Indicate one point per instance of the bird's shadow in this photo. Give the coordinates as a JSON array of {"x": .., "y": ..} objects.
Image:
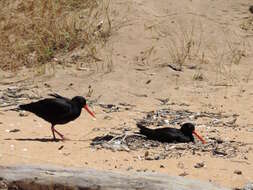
[
  {"x": 43, "y": 139},
  {"x": 36, "y": 139}
]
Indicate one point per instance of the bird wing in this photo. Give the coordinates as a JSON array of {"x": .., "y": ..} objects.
[
  {"x": 58, "y": 96},
  {"x": 172, "y": 135},
  {"x": 50, "y": 109}
]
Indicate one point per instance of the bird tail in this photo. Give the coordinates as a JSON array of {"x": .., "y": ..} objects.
[
  {"x": 17, "y": 109},
  {"x": 26, "y": 107},
  {"x": 55, "y": 95},
  {"x": 144, "y": 130}
]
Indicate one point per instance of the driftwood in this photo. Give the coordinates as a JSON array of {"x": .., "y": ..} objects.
[{"x": 51, "y": 178}]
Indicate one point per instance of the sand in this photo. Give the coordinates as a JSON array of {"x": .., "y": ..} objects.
[{"x": 211, "y": 80}]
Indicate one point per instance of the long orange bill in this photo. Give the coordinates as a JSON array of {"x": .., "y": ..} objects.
[
  {"x": 200, "y": 138},
  {"x": 88, "y": 110}
]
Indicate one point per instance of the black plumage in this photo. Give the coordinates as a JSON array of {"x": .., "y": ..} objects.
[
  {"x": 57, "y": 110},
  {"x": 167, "y": 134}
]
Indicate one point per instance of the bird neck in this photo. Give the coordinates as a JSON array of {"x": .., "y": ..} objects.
[{"x": 192, "y": 138}]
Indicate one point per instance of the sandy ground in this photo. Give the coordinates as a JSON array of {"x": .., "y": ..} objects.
[{"x": 140, "y": 27}]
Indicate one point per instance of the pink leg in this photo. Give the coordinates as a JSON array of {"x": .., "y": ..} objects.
[
  {"x": 52, "y": 128},
  {"x": 61, "y": 135}
]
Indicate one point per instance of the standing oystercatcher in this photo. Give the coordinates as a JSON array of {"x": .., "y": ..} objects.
[
  {"x": 167, "y": 134},
  {"x": 58, "y": 110}
]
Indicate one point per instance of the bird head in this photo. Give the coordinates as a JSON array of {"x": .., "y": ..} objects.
[
  {"x": 82, "y": 102},
  {"x": 189, "y": 129}
]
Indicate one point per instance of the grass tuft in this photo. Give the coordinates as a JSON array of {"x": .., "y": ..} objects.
[{"x": 33, "y": 32}]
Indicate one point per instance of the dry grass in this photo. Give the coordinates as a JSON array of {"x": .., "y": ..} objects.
[
  {"x": 247, "y": 24},
  {"x": 33, "y": 32},
  {"x": 185, "y": 44},
  {"x": 227, "y": 58},
  {"x": 189, "y": 43}
]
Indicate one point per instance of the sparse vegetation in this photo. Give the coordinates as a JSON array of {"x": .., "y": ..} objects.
[
  {"x": 185, "y": 44},
  {"x": 229, "y": 56},
  {"x": 189, "y": 44},
  {"x": 33, "y": 32},
  {"x": 198, "y": 76},
  {"x": 247, "y": 24}
]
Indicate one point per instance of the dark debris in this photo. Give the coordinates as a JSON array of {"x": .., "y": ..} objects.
[
  {"x": 215, "y": 146},
  {"x": 176, "y": 117},
  {"x": 12, "y": 96},
  {"x": 158, "y": 150},
  {"x": 109, "y": 108}
]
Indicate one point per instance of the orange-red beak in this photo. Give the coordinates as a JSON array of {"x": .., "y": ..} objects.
[
  {"x": 200, "y": 138},
  {"x": 88, "y": 110}
]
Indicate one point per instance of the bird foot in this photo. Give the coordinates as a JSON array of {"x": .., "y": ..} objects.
[
  {"x": 55, "y": 139},
  {"x": 61, "y": 135},
  {"x": 61, "y": 139}
]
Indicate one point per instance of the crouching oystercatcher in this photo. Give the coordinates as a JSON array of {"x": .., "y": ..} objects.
[{"x": 167, "y": 134}]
